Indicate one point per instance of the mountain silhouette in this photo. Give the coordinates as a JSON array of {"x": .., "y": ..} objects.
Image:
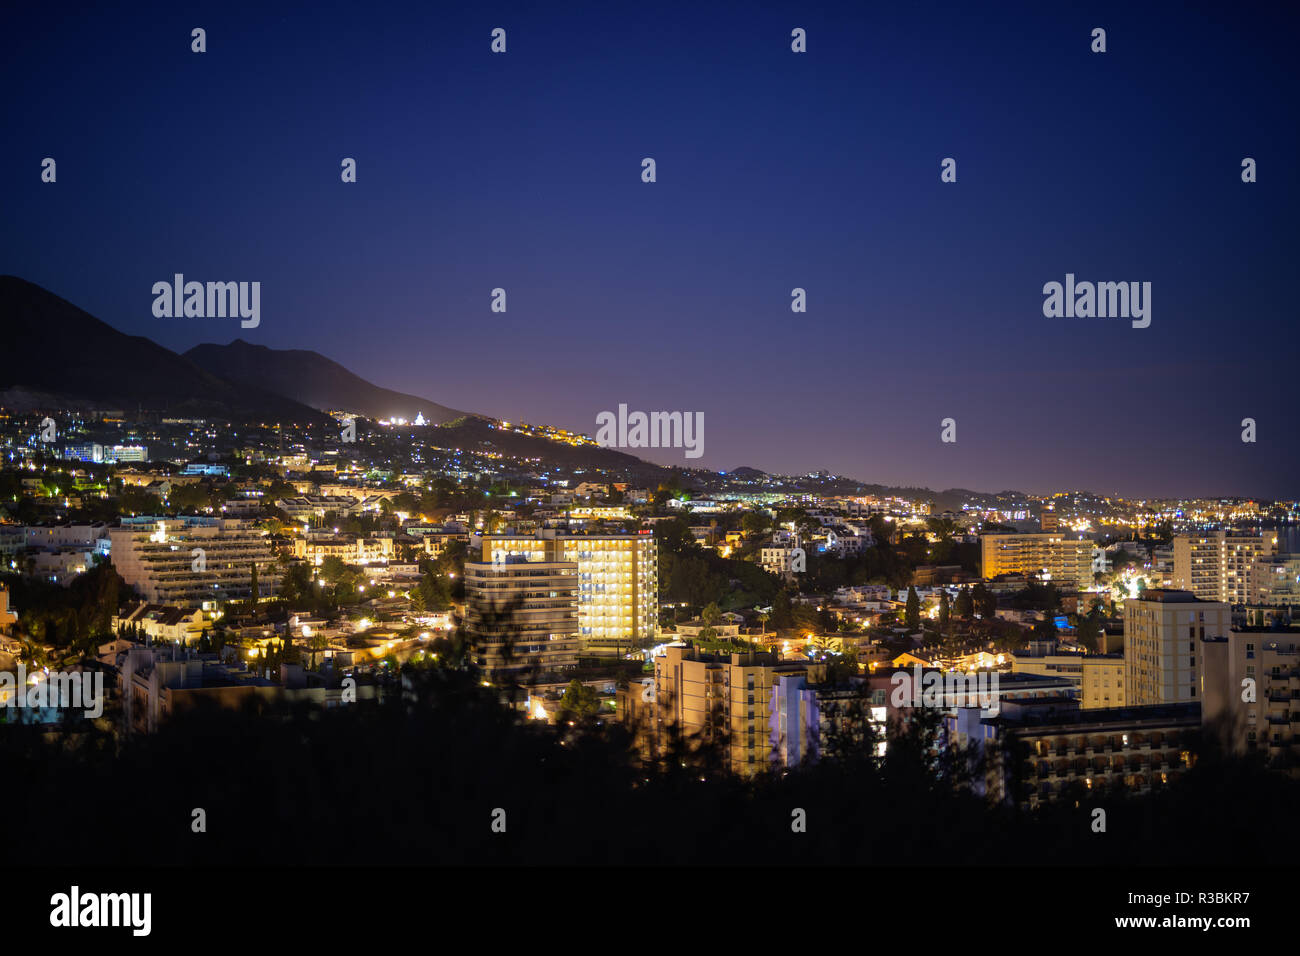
[
  {"x": 312, "y": 379},
  {"x": 60, "y": 355}
]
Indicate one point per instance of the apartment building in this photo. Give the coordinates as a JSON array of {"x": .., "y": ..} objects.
[
  {"x": 1049, "y": 659},
  {"x": 116, "y": 453},
  {"x": 777, "y": 558},
  {"x": 1047, "y": 749},
  {"x": 720, "y": 699},
  {"x": 1251, "y": 695},
  {"x": 1052, "y": 556},
  {"x": 167, "y": 625},
  {"x": 522, "y": 616},
  {"x": 949, "y": 690},
  {"x": 618, "y": 582},
  {"x": 94, "y": 452},
  {"x": 13, "y": 539},
  {"x": 88, "y": 451},
  {"x": 1275, "y": 581},
  {"x": 600, "y": 513},
  {"x": 158, "y": 683},
  {"x": 435, "y": 539},
  {"x": 1217, "y": 565},
  {"x": 1103, "y": 681},
  {"x": 1162, "y": 631},
  {"x": 1099, "y": 678},
  {"x": 186, "y": 564},
  {"x": 1162, "y": 564},
  {"x": 53, "y": 537},
  {"x": 306, "y": 507},
  {"x": 809, "y": 719},
  {"x": 351, "y": 549}
]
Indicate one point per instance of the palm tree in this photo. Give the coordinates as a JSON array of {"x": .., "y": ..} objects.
[
  {"x": 315, "y": 644},
  {"x": 31, "y": 653}
]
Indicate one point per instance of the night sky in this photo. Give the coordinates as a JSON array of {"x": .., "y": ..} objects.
[{"x": 775, "y": 170}]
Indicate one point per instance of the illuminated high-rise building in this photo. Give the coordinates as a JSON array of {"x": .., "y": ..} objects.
[
  {"x": 724, "y": 699},
  {"x": 195, "y": 562},
  {"x": 522, "y": 615},
  {"x": 1217, "y": 565},
  {"x": 1163, "y": 632},
  {"x": 1050, "y": 520},
  {"x": 1052, "y": 556},
  {"x": 618, "y": 582}
]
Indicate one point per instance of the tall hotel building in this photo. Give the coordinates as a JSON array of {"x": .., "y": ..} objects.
[
  {"x": 1216, "y": 566},
  {"x": 618, "y": 582},
  {"x": 523, "y": 615},
  {"x": 1163, "y": 636},
  {"x": 163, "y": 561},
  {"x": 1064, "y": 559}
]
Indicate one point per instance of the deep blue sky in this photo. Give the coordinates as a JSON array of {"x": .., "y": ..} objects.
[{"x": 775, "y": 170}]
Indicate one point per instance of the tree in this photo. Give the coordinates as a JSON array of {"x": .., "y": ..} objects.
[
  {"x": 435, "y": 590},
  {"x": 912, "y": 616},
  {"x": 782, "y": 611},
  {"x": 965, "y": 608},
  {"x": 332, "y": 568},
  {"x": 943, "y": 528},
  {"x": 579, "y": 702},
  {"x": 406, "y": 503},
  {"x": 189, "y": 498},
  {"x": 295, "y": 585},
  {"x": 1090, "y": 629},
  {"x": 709, "y": 616},
  {"x": 943, "y": 609},
  {"x": 316, "y": 643}
]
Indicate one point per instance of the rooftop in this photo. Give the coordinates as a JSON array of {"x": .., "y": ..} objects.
[{"x": 1169, "y": 596}]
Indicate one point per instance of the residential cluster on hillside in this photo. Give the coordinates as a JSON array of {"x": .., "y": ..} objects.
[{"x": 1065, "y": 641}]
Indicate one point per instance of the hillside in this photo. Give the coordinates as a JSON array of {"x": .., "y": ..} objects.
[
  {"x": 57, "y": 353},
  {"x": 312, "y": 379}
]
